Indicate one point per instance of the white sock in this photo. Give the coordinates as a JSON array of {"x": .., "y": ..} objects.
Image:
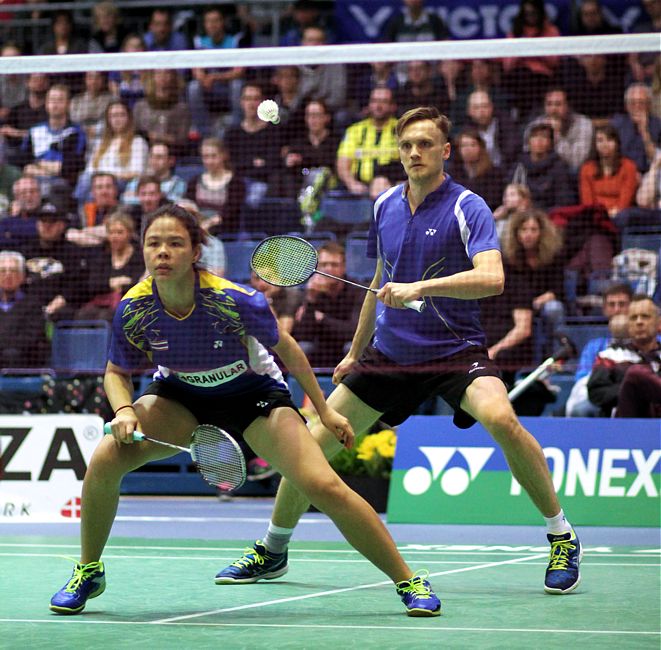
[
  {"x": 557, "y": 525},
  {"x": 277, "y": 538}
]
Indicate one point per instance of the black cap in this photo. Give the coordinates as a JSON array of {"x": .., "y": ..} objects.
[{"x": 49, "y": 212}]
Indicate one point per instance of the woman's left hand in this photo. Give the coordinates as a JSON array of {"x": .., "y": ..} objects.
[{"x": 339, "y": 426}]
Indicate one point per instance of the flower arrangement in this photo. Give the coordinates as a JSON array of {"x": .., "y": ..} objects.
[{"x": 371, "y": 455}]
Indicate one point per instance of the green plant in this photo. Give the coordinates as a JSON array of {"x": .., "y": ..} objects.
[{"x": 371, "y": 455}]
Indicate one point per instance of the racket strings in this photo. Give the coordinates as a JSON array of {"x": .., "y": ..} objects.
[
  {"x": 218, "y": 458},
  {"x": 284, "y": 261}
]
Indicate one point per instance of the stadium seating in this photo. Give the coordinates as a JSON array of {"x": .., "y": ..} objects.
[
  {"x": 80, "y": 346},
  {"x": 359, "y": 266},
  {"x": 237, "y": 255},
  {"x": 272, "y": 216},
  {"x": 347, "y": 209}
]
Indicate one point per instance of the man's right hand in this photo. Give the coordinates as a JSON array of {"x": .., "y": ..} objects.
[{"x": 344, "y": 368}]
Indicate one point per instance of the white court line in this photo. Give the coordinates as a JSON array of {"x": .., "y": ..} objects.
[
  {"x": 340, "y": 591},
  {"x": 407, "y": 629},
  {"x": 189, "y": 558}
]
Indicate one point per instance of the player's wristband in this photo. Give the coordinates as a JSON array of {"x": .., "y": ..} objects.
[{"x": 126, "y": 406}]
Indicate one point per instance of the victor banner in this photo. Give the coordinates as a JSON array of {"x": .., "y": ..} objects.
[
  {"x": 606, "y": 473},
  {"x": 43, "y": 459}
]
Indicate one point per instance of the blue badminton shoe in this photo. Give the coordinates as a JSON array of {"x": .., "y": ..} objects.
[
  {"x": 563, "y": 574},
  {"x": 255, "y": 564},
  {"x": 87, "y": 581},
  {"x": 417, "y": 595}
]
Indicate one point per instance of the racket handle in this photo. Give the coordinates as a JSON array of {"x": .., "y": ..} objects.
[
  {"x": 416, "y": 305},
  {"x": 137, "y": 435}
]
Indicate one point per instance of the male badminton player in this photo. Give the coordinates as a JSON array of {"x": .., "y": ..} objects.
[
  {"x": 208, "y": 337},
  {"x": 436, "y": 240}
]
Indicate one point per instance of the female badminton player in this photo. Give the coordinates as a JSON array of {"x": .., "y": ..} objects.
[{"x": 209, "y": 339}]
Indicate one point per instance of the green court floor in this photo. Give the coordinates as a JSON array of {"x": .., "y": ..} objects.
[{"x": 161, "y": 595}]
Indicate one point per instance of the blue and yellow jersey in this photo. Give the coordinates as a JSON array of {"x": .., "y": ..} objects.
[{"x": 218, "y": 348}]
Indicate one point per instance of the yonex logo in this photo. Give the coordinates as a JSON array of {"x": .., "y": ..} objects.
[
  {"x": 262, "y": 405},
  {"x": 453, "y": 481},
  {"x": 430, "y": 231},
  {"x": 217, "y": 344}
]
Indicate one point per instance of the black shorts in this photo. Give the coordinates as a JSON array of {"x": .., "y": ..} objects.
[
  {"x": 397, "y": 391},
  {"x": 234, "y": 413}
]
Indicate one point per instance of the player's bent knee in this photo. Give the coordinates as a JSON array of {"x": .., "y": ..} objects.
[{"x": 500, "y": 420}]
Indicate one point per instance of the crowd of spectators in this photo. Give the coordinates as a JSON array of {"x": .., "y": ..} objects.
[{"x": 565, "y": 150}]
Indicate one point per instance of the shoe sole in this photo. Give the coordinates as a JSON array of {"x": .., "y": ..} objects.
[
  {"x": 247, "y": 581},
  {"x": 423, "y": 613},
  {"x": 67, "y": 610},
  {"x": 560, "y": 592}
]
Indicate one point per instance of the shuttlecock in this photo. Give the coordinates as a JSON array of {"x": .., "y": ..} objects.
[{"x": 268, "y": 111}]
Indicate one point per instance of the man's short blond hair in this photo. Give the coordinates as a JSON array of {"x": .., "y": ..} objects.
[{"x": 421, "y": 113}]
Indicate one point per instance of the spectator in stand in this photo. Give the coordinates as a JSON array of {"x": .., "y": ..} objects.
[
  {"x": 150, "y": 197},
  {"x": 499, "y": 133},
  {"x": 104, "y": 194},
  {"x": 9, "y": 174},
  {"x": 572, "y": 132},
  {"x": 626, "y": 381},
  {"x": 326, "y": 320},
  {"x": 595, "y": 83},
  {"x": 314, "y": 149},
  {"x": 648, "y": 200},
  {"x": 160, "y": 164},
  {"x": 327, "y": 82},
  {"x": 453, "y": 74},
  {"x": 532, "y": 251},
  {"x": 121, "y": 151},
  {"x": 284, "y": 301},
  {"x": 482, "y": 75},
  {"x": 590, "y": 20},
  {"x": 89, "y": 107},
  {"x": 414, "y": 23},
  {"x": 211, "y": 92},
  {"x": 129, "y": 85},
  {"x": 58, "y": 269},
  {"x": 55, "y": 149},
  {"x": 472, "y": 168},
  {"x": 162, "y": 115},
  {"x": 65, "y": 41},
  {"x": 20, "y": 226},
  {"x": 113, "y": 268},
  {"x": 516, "y": 198},
  {"x": 544, "y": 172},
  {"x": 368, "y": 157},
  {"x": 528, "y": 78},
  {"x": 22, "y": 324},
  {"x": 253, "y": 145},
  {"x": 107, "y": 31},
  {"x": 421, "y": 88},
  {"x": 608, "y": 178},
  {"x": 288, "y": 97},
  {"x": 639, "y": 130},
  {"x": 24, "y": 116},
  {"x": 304, "y": 13},
  {"x": 363, "y": 78},
  {"x": 615, "y": 306},
  {"x": 13, "y": 87},
  {"x": 160, "y": 36},
  {"x": 650, "y": 19},
  {"x": 218, "y": 192}
]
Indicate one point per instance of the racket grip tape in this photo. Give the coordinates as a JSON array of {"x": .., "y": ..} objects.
[
  {"x": 416, "y": 305},
  {"x": 137, "y": 435}
]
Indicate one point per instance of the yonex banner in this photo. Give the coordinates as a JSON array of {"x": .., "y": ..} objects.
[
  {"x": 606, "y": 472},
  {"x": 43, "y": 459}
]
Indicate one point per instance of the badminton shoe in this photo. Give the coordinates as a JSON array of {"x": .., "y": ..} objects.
[
  {"x": 563, "y": 574},
  {"x": 256, "y": 564},
  {"x": 87, "y": 581},
  {"x": 418, "y": 596}
]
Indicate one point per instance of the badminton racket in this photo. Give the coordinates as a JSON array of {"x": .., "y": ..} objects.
[
  {"x": 217, "y": 455},
  {"x": 287, "y": 261}
]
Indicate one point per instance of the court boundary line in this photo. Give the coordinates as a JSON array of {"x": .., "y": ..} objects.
[
  {"x": 403, "y": 628},
  {"x": 341, "y": 590}
]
